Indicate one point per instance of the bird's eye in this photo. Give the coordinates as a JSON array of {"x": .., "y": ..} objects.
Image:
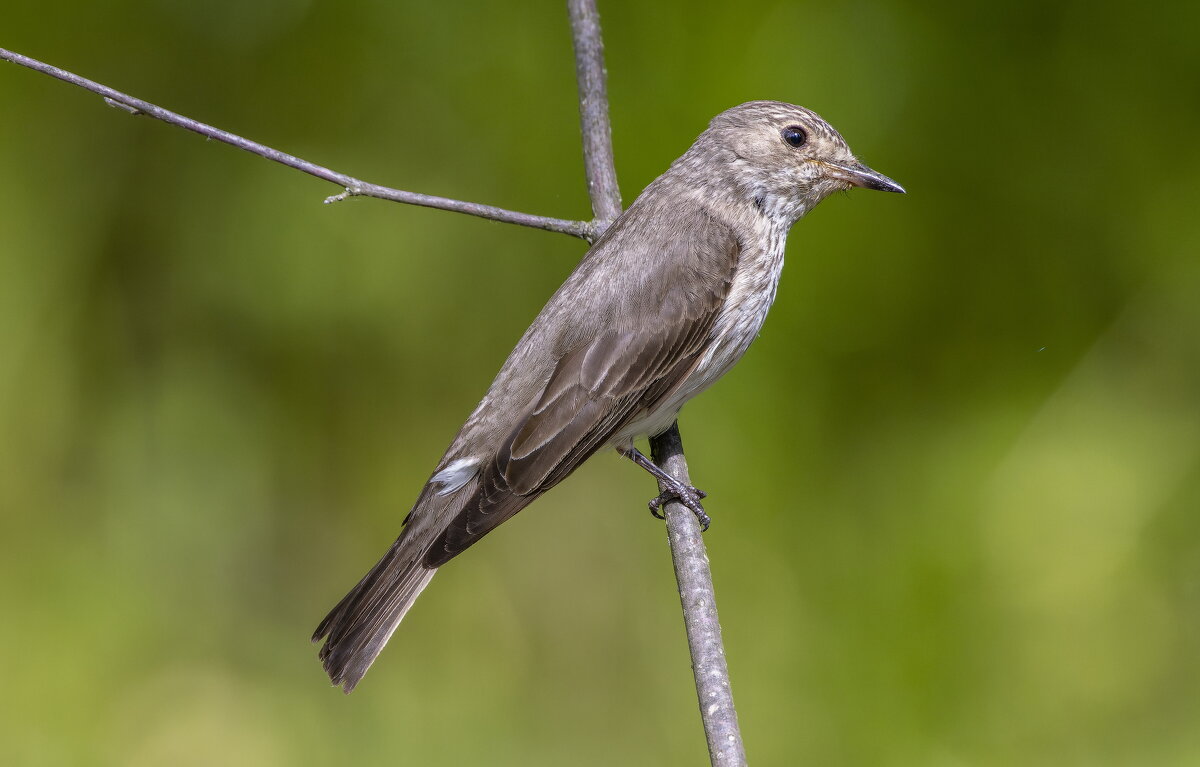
[{"x": 795, "y": 135}]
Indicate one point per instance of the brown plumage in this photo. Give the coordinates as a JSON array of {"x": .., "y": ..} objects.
[{"x": 659, "y": 308}]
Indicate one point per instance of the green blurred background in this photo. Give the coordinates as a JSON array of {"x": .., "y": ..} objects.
[{"x": 955, "y": 483}]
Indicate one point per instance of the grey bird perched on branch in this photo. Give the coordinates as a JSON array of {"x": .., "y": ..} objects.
[{"x": 664, "y": 304}]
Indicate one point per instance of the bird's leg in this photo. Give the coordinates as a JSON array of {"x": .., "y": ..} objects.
[{"x": 674, "y": 490}]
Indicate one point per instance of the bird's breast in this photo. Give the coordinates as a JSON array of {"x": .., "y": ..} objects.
[
  {"x": 738, "y": 323},
  {"x": 751, "y": 294}
]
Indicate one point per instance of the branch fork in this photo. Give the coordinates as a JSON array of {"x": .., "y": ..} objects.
[{"x": 346, "y": 194}]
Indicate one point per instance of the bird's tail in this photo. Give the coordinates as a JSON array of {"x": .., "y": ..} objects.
[{"x": 356, "y": 630}]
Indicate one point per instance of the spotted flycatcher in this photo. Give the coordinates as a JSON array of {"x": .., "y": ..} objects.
[{"x": 664, "y": 304}]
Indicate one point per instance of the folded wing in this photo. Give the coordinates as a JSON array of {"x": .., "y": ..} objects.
[{"x": 597, "y": 388}]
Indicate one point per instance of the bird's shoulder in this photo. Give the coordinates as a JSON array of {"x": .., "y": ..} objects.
[
  {"x": 668, "y": 235},
  {"x": 653, "y": 281},
  {"x": 659, "y": 259}
]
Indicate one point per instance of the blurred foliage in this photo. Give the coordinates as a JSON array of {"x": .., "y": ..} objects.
[{"x": 955, "y": 483}]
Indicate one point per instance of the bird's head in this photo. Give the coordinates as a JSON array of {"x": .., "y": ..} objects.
[{"x": 783, "y": 157}]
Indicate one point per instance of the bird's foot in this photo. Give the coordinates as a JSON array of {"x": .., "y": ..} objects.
[
  {"x": 687, "y": 495},
  {"x": 673, "y": 489}
]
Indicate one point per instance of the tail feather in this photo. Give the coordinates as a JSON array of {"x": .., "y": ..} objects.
[
  {"x": 356, "y": 630},
  {"x": 358, "y": 627}
]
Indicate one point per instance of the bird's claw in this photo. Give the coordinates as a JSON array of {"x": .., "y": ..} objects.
[{"x": 687, "y": 495}]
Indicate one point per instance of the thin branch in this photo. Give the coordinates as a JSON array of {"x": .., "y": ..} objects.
[
  {"x": 698, "y": 599},
  {"x": 593, "y": 112},
  {"x": 687, "y": 546},
  {"x": 354, "y": 187},
  {"x": 696, "y": 593}
]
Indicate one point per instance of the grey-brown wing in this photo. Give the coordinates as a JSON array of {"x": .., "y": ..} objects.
[{"x": 597, "y": 388}]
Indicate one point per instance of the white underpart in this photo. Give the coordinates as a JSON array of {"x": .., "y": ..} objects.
[
  {"x": 454, "y": 476},
  {"x": 736, "y": 326}
]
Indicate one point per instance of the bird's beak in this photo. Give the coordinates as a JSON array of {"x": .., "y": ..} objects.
[{"x": 857, "y": 174}]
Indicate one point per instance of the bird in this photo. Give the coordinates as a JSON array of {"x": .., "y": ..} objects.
[{"x": 662, "y": 305}]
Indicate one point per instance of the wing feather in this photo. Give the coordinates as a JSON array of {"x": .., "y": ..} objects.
[{"x": 597, "y": 387}]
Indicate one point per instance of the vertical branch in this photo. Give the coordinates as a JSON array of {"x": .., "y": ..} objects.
[
  {"x": 688, "y": 554},
  {"x": 699, "y": 603},
  {"x": 593, "y": 113}
]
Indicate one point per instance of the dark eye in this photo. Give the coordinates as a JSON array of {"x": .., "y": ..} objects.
[{"x": 795, "y": 135}]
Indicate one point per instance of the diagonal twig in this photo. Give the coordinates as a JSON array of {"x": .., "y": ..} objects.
[
  {"x": 353, "y": 187},
  {"x": 696, "y": 594}
]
